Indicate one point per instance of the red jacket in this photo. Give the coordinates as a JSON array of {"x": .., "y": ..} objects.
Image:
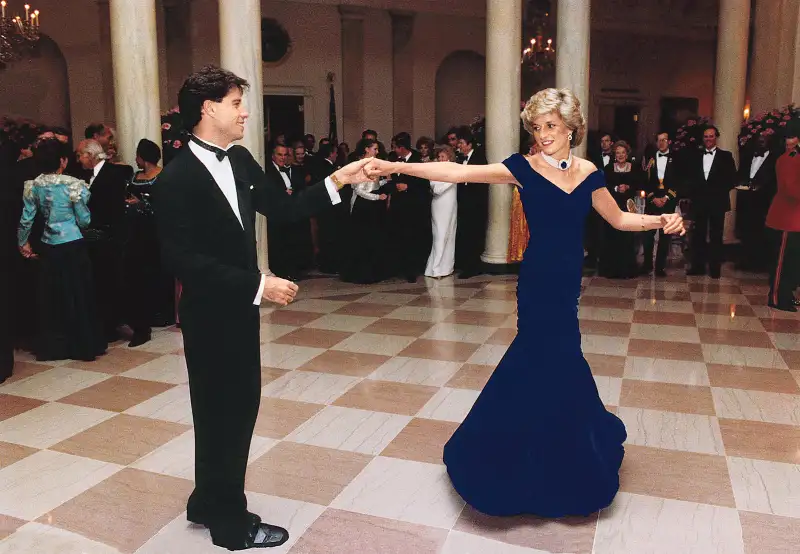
[{"x": 784, "y": 213}]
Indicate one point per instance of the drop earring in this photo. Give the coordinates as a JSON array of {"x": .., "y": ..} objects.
[{"x": 570, "y": 137}]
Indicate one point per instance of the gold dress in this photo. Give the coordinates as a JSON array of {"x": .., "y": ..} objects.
[{"x": 519, "y": 235}]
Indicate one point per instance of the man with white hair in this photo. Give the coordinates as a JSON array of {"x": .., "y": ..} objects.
[{"x": 108, "y": 184}]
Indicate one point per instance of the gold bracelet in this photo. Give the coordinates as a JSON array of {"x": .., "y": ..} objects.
[
  {"x": 336, "y": 181},
  {"x": 642, "y": 222}
]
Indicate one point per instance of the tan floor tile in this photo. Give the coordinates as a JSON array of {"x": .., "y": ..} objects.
[
  {"x": 752, "y": 378},
  {"x": 316, "y": 338},
  {"x": 448, "y": 351},
  {"x": 678, "y": 475},
  {"x": 775, "y": 325},
  {"x": 466, "y": 317},
  {"x": 614, "y": 283},
  {"x": 270, "y": 374},
  {"x": 437, "y": 302},
  {"x": 715, "y": 308},
  {"x": 606, "y": 365},
  {"x": 277, "y": 418},
  {"x": 494, "y": 294},
  {"x": 293, "y": 318},
  {"x": 667, "y": 397},
  {"x": 117, "y": 394},
  {"x": 661, "y": 295},
  {"x": 664, "y": 318},
  {"x": 11, "y": 406},
  {"x": 607, "y": 328},
  {"x": 117, "y": 360},
  {"x": 608, "y": 302},
  {"x": 303, "y": 472},
  {"x": 571, "y": 534},
  {"x": 422, "y": 440},
  {"x": 792, "y": 358},
  {"x": 758, "y": 440},
  {"x": 754, "y": 339},
  {"x": 385, "y": 396},
  {"x": 665, "y": 350},
  {"x": 715, "y": 288},
  {"x": 122, "y": 439},
  {"x": 125, "y": 510},
  {"x": 12, "y": 453},
  {"x": 366, "y": 309},
  {"x": 503, "y": 336},
  {"x": 348, "y": 297},
  {"x": 471, "y": 376},
  {"x": 769, "y": 534},
  {"x": 399, "y": 327},
  {"x": 341, "y": 532},
  {"x": 8, "y": 525},
  {"x": 356, "y": 364},
  {"x": 23, "y": 370}
]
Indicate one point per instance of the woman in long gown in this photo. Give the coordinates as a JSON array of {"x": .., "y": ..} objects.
[
  {"x": 538, "y": 439},
  {"x": 444, "y": 211}
]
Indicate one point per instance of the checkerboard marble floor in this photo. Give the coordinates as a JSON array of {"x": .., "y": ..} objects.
[{"x": 362, "y": 387}]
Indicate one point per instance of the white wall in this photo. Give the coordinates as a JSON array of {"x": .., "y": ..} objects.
[{"x": 460, "y": 90}]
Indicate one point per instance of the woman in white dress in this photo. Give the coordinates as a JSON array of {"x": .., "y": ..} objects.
[{"x": 443, "y": 219}]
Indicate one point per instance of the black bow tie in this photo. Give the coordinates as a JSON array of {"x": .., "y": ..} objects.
[
  {"x": 286, "y": 170},
  {"x": 661, "y": 155},
  {"x": 218, "y": 152},
  {"x": 709, "y": 152}
]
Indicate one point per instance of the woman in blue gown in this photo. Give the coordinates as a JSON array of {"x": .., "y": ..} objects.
[{"x": 538, "y": 439}]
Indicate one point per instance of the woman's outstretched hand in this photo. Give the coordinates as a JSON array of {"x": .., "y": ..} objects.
[
  {"x": 673, "y": 224},
  {"x": 377, "y": 168}
]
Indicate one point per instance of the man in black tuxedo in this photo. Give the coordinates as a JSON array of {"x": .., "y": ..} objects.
[
  {"x": 594, "y": 223},
  {"x": 662, "y": 192},
  {"x": 757, "y": 185},
  {"x": 473, "y": 211},
  {"x": 711, "y": 174},
  {"x": 331, "y": 224},
  {"x": 409, "y": 214},
  {"x": 106, "y": 236},
  {"x": 205, "y": 203}
]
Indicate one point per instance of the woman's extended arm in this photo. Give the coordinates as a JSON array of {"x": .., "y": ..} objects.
[
  {"x": 606, "y": 206},
  {"x": 494, "y": 174}
]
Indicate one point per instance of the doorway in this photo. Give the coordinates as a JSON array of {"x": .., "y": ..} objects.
[
  {"x": 626, "y": 124},
  {"x": 284, "y": 115}
]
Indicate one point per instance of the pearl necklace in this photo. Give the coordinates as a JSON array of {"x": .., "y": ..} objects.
[{"x": 563, "y": 165}]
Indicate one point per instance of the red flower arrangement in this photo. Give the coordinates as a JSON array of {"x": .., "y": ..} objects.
[
  {"x": 767, "y": 123},
  {"x": 173, "y": 136},
  {"x": 690, "y": 134}
]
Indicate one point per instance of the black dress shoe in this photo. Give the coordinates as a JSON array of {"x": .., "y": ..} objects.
[
  {"x": 795, "y": 302},
  {"x": 787, "y": 308},
  {"x": 139, "y": 339},
  {"x": 260, "y": 535}
]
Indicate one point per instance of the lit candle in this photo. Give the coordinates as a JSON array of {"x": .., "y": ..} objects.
[
  {"x": 3, "y": 4},
  {"x": 38, "y": 20},
  {"x": 27, "y": 10}
]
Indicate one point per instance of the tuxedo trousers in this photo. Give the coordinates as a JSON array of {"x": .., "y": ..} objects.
[
  {"x": 785, "y": 271},
  {"x": 709, "y": 222},
  {"x": 222, "y": 347}
]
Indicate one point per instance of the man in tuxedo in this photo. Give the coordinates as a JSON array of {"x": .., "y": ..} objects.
[
  {"x": 757, "y": 185},
  {"x": 289, "y": 243},
  {"x": 106, "y": 236},
  {"x": 473, "y": 211},
  {"x": 711, "y": 174},
  {"x": 594, "y": 223},
  {"x": 409, "y": 214},
  {"x": 205, "y": 203},
  {"x": 662, "y": 186},
  {"x": 331, "y": 223}
]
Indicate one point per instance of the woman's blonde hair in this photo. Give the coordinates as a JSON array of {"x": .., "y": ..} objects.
[
  {"x": 561, "y": 101},
  {"x": 448, "y": 151},
  {"x": 624, "y": 145}
]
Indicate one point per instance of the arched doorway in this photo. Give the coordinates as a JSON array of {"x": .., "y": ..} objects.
[
  {"x": 460, "y": 90},
  {"x": 37, "y": 87}
]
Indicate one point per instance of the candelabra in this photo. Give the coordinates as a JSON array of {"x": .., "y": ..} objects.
[
  {"x": 18, "y": 36},
  {"x": 539, "y": 54}
]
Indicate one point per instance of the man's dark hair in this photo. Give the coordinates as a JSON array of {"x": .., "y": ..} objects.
[
  {"x": 607, "y": 134},
  {"x": 325, "y": 150},
  {"x": 452, "y": 131},
  {"x": 664, "y": 132},
  {"x": 402, "y": 140},
  {"x": 463, "y": 133},
  {"x": 716, "y": 131},
  {"x": 368, "y": 132},
  {"x": 93, "y": 129},
  {"x": 274, "y": 145},
  {"x": 47, "y": 155},
  {"x": 309, "y": 136},
  {"x": 148, "y": 151},
  {"x": 210, "y": 83},
  {"x": 63, "y": 131}
]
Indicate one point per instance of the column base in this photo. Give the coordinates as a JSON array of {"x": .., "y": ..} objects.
[{"x": 504, "y": 268}]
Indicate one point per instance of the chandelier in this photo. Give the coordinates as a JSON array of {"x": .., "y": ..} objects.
[
  {"x": 539, "y": 54},
  {"x": 18, "y": 36}
]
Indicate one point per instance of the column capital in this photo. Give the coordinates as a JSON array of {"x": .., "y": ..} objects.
[
  {"x": 402, "y": 28},
  {"x": 352, "y": 13}
]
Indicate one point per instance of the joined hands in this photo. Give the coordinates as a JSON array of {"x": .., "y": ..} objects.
[{"x": 673, "y": 224}]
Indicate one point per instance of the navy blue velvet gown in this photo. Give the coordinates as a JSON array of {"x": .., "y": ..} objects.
[{"x": 538, "y": 439}]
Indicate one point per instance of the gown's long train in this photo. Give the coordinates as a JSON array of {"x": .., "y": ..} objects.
[{"x": 538, "y": 439}]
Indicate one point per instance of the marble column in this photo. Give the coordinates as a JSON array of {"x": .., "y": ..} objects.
[
  {"x": 773, "y": 74},
  {"x": 402, "y": 71},
  {"x": 730, "y": 84},
  {"x": 106, "y": 64},
  {"x": 572, "y": 53},
  {"x": 352, "y": 19},
  {"x": 135, "y": 62},
  {"x": 240, "y": 52},
  {"x": 503, "y": 81}
]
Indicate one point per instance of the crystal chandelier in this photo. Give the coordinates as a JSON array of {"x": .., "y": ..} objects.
[
  {"x": 18, "y": 35},
  {"x": 539, "y": 53}
]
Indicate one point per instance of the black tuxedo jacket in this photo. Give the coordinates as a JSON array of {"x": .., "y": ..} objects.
[
  {"x": 418, "y": 193},
  {"x": 713, "y": 193},
  {"x": 597, "y": 160},
  {"x": 669, "y": 189},
  {"x": 107, "y": 200},
  {"x": 472, "y": 193},
  {"x": 765, "y": 179},
  {"x": 202, "y": 242}
]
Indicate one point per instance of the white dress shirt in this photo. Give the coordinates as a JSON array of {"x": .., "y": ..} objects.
[
  {"x": 466, "y": 160},
  {"x": 606, "y": 159},
  {"x": 95, "y": 171},
  {"x": 758, "y": 161},
  {"x": 287, "y": 177},
  {"x": 661, "y": 164},
  {"x": 222, "y": 172},
  {"x": 708, "y": 161}
]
